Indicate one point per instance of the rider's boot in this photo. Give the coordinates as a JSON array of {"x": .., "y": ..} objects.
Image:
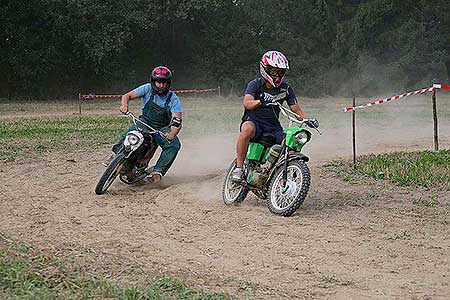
[
  {"x": 154, "y": 177},
  {"x": 237, "y": 175}
]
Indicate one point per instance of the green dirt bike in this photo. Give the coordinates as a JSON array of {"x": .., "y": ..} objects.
[{"x": 276, "y": 173}]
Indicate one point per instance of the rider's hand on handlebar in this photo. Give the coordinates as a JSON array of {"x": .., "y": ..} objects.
[
  {"x": 169, "y": 135},
  {"x": 313, "y": 123},
  {"x": 266, "y": 100},
  {"x": 124, "y": 109}
]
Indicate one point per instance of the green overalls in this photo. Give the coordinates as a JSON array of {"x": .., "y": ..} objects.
[{"x": 158, "y": 118}]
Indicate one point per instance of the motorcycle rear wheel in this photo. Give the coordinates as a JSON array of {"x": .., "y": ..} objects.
[
  {"x": 284, "y": 201},
  {"x": 110, "y": 174},
  {"x": 233, "y": 193}
]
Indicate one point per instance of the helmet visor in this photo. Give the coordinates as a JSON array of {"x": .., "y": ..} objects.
[
  {"x": 276, "y": 72},
  {"x": 162, "y": 80}
]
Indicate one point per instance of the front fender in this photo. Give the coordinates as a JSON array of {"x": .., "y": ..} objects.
[{"x": 293, "y": 156}]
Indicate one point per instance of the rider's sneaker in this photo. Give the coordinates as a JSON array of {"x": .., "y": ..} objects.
[
  {"x": 154, "y": 177},
  {"x": 237, "y": 175},
  {"x": 109, "y": 160}
]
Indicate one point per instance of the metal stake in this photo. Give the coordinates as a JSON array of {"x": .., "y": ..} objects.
[
  {"x": 354, "y": 132},
  {"x": 435, "y": 121}
]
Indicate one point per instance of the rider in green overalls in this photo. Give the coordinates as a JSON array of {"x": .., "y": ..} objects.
[{"x": 161, "y": 110}]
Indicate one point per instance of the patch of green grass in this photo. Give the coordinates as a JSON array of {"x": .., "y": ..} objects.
[
  {"x": 426, "y": 169},
  {"x": 430, "y": 202},
  {"x": 31, "y": 274},
  {"x": 9, "y": 107},
  {"x": 60, "y": 128},
  {"x": 328, "y": 280},
  {"x": 31, "y": 137},
  {"x": 405, "y": 235},
  {"x": 331, "y": 280}
]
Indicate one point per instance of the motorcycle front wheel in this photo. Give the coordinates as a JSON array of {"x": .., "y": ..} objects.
[
  {"x": 233, "y": 193},
  {"x": 285, "y": 200},
  {"x": 110, "y": 174}
]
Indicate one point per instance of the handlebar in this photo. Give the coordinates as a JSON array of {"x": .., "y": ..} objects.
[
  {"x": 292, "y": 116},
  {"x": 152, "y": 130}
]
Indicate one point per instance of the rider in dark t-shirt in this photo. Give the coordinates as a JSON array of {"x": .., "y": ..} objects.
[{"x": 259, "y": 116}]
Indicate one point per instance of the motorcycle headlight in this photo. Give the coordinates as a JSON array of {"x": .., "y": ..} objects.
[
  {"x": 133, "y": 139},
  {"x": 301, "y": 137}
]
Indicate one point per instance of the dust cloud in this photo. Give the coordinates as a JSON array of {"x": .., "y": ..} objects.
[{"x": 402, "y": 125}]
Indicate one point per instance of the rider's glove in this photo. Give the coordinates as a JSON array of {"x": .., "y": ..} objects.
[
  {"x": 266, "y": 99},
  {"x": 313, "y": 123}
]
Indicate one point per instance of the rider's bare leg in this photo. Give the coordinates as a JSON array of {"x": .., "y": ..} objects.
[{"x": 248, "y": 131}]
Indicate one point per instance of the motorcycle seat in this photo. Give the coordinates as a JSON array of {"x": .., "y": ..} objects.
[{"x": 265, "y": 139}]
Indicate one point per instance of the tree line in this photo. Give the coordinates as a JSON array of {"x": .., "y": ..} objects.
[{"x": 58, "y": 48}]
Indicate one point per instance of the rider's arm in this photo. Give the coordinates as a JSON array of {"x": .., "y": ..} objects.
[
  {"x": 297, "y": 109},
  {"x": 250, "y": 102},
  {"x": 125, "y": 99},
  {"x": 174, "y": 130},
  {"x": 293, "y": 104}
]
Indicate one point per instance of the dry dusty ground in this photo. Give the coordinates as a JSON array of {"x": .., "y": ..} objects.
[
  {"x": 360, "y": 240},
  {"x": 350, "y": 240}
]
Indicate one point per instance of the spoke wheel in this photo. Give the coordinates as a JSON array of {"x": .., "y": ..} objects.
[
  {"x": 110, "y": 174},
  {"x": 285, "y": 200},
  {"x": 233, "y": 193}
]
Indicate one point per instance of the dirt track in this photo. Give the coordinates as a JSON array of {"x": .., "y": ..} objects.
[
  {"x": 363, "y": 240},
  {"x": 350, "y": 240}
]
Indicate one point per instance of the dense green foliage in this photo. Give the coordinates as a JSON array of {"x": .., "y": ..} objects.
[
  {"x": 426, "y": 168},
  {"x": 26, "y": 273},
  {"x": 57, "y": 48}
]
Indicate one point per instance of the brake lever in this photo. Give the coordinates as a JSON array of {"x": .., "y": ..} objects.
[
  {"x": 313, "y": 127},
  {"x": 317, "y": 129}
]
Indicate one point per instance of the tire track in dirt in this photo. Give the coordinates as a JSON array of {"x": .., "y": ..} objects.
[{"x": 347, "y": 240}]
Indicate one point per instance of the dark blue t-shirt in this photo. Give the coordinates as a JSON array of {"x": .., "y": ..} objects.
[{"x": 257, "y": 89}]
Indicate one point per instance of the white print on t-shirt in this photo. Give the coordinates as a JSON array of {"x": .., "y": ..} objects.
[{"x": 273, "y": 98}]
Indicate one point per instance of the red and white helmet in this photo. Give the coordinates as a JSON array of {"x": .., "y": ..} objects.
[{"x": 273, "y": 66}]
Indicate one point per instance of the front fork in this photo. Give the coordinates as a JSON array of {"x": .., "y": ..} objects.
[{"x": 285, "y": 167}]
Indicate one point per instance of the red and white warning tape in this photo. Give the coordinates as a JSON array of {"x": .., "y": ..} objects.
[
  {"x": 198, "y": 91},
  {"x": 441, "y": 86},
  {"x": 94, "y": 96},
  {"x": 385, "y": 100}
]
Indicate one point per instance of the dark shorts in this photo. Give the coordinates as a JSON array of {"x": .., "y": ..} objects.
[{"x": 266, "y": 126}]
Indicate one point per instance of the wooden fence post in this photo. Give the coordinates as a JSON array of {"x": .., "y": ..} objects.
[
  {"x": 354, "y": 132},
  {"x": 79, "y": 104},
  {"x": 435, "y": 121}
]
